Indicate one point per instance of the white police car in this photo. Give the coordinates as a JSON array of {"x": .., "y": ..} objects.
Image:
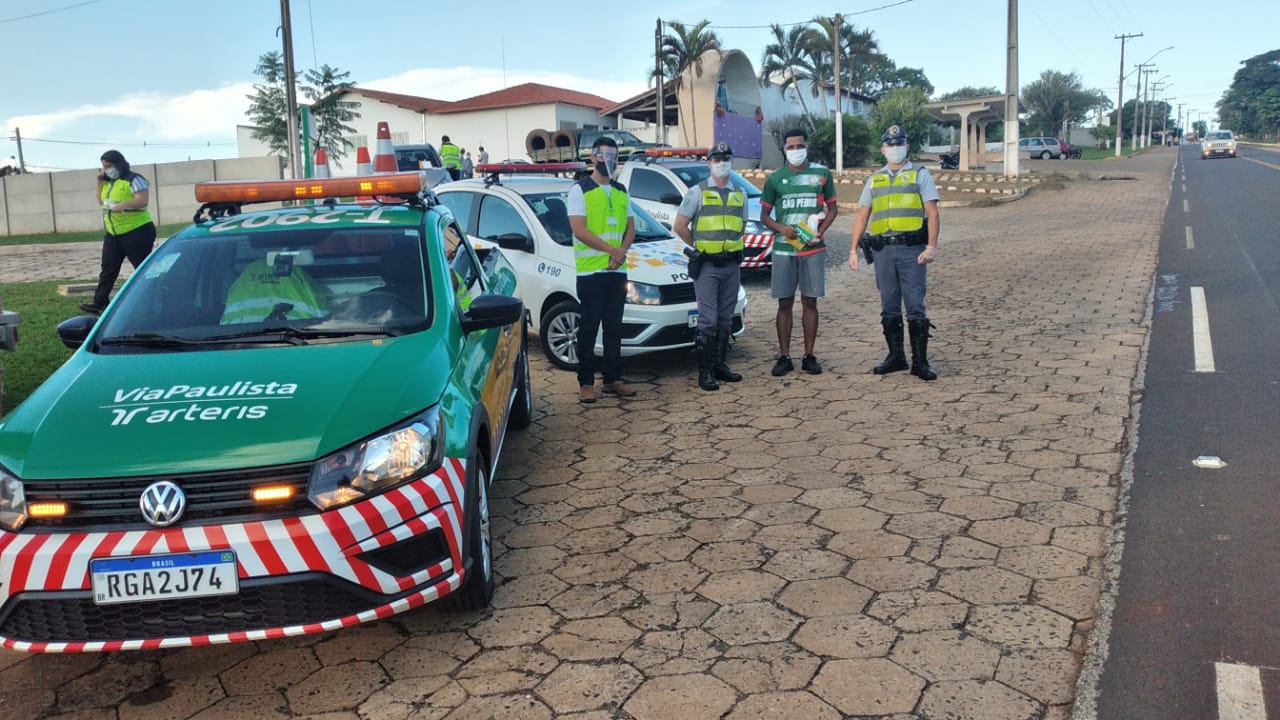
[
  {"x": 522, "y": 208},
  {"x": 658, "y": 179}
]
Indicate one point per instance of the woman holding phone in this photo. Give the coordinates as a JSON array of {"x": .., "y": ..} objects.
[{"x": 131, "y": 234}]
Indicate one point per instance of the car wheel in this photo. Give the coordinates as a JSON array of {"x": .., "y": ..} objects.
[
  {"x": 559, "y": 334},
  {"x": 522, "y": 407},
  {"x": 1046, "y": 155},
  {"x": 477, "y": 590}
]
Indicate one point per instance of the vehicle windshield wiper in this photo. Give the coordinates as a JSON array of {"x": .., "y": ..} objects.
[
  {"x": 299, "y": 336},
  {"x": 149, "y": 340}
]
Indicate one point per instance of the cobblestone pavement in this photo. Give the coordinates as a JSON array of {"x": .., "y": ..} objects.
[{"x": 812, "y": 546}]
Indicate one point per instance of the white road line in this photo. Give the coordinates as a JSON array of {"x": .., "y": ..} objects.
[
  {"x": 1186, "y": 207},
  {"x": 1202, "y": 343},
  {"x": 1239, "y": 692},
  {"x": 1184, "y": 187},
  {"x": 1191, "y": 241}
]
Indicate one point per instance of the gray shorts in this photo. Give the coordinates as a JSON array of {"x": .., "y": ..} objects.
[{"x": 808, "y": 273}]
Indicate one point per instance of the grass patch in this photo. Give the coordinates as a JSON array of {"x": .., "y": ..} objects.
[
  {"x": 40, "y": 352},
  {"x": 85, "y": 236}
]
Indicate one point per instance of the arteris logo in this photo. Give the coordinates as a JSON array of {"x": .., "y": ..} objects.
[{"x": 241, "y": 400}]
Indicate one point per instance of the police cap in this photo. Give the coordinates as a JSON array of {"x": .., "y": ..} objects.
[
  {"x": 721, "y": 150},
  {"x": 894, "y": 136}
]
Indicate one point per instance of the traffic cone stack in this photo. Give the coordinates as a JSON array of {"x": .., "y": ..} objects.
[
  {"x": 364, "y": 166},
  {"x": 321, "y": 168},
  {"x": 384, "y": 159}
]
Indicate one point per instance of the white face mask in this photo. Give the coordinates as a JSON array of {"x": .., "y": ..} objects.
[
  {"x": 895, "y": 153},
  {"x": 113, "y": 173},
  {"x": 721, "y": 170},
  {"x": 798, "y": 156}
]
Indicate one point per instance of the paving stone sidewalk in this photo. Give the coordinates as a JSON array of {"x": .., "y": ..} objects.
[{"x": 813, "y": 546}]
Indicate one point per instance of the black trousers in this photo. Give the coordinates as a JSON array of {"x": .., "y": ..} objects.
[
  {"x": 135, "y": 245},
  {"x": 601, "y": 297}
]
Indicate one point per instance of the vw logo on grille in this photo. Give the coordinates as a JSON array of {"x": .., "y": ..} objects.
[{"x": 162, "y": 503}]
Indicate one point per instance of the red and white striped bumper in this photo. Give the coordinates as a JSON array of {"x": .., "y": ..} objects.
[
  {"x": 328, "y": 543},
  {"x": 757, "y": 250}
]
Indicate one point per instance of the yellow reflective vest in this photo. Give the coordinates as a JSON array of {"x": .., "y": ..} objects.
[
  {"x": 896, "y": 206},
  {"x": 450, "y": 155},
  {"x": 254, "y": 295},
  {"x": 121, "y": 221},
  {"x": 607, "y": 214},
  {"x": 718, "y": 226}
]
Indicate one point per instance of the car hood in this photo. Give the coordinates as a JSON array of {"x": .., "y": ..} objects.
[
  {"x": 658, "y": 262},
  {"x": 143, "y": 414}
]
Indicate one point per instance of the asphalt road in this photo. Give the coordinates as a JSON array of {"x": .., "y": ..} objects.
[{"x": 1201, "y": 562}]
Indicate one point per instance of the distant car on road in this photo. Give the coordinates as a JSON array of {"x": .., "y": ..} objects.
[
  {"x": 1218, "y": 142},
  {"x": 1043, "y": 148}
]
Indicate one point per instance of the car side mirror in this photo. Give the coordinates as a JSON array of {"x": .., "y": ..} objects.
[
  {"x": 515, "y": 241},
  {"x": 492, "y": 311},
  {"x": 73, "y": 331},
  {"x": 670, "y": 198}
]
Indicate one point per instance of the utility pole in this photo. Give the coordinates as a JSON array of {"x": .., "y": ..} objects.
[
  {"x": 835, "y": 53},
  {"x": 1137, "y": 108},
  {"x": 1181, "y": 128},
  {"x": 1010, "y": 96},
  {"x": 17, "y": 135},
  {"x": 290, "y": 91},
  {"x": 1120, "y": 94},
  {"x": 662, "y": 89},
  {"x": 1146, "y": 108}
]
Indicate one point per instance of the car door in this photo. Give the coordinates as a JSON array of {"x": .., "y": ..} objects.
[
  {"x": 648, "y": 187},
  {"x": 539, "y": 271}
]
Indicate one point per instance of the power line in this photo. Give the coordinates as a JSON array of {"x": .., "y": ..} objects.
[
  {"x": 144, "y": 143},
  {"x": 806, "y": 22},
  {"x": 48, "y": 12}
]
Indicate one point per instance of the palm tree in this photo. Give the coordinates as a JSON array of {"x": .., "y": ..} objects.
[
  {"x": 682, "y": 51},
  {"x": 786, "y": 56}
]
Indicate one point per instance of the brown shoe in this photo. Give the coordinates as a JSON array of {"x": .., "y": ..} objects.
[
  {"x": 586, "y": 394},
  {"x": 620, "y": 389}
]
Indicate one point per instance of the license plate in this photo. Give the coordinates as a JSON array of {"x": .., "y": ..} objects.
[
  {"x": 693, "y": 318},
  {"x": 163, "y": 577}
]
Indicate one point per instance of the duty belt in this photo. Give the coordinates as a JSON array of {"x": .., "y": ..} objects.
[
  {"x": 722, "y": 259},
  {"x": 908, "y": 239}
]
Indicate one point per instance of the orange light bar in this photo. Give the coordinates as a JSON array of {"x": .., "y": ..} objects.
[
  {"x": 676, "y": 152},
  {"x": 272, "y": 493},
  {"x": 529, "y": 168},
  {"x": 253, "y": 191},
  {"x": 50, "y": 508}
]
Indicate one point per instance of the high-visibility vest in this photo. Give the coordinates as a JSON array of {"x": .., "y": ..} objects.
[
  {"x": 601, "y": 208},
  {"x": 718, "y": 227},
  {"x": 254, "y": 295},
  {"x": 120, "y": 222},
  {"x": 896, "y": 206},
  {"x": 450, "y": 155}
]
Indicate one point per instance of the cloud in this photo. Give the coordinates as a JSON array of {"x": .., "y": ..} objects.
[{"x": 198, "y": 115}]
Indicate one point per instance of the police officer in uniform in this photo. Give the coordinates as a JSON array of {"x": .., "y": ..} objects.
[
  {"x": 710, "y": 220},
  {"x": 897, "y": 229},
  {"x": 451, "y": 156}
]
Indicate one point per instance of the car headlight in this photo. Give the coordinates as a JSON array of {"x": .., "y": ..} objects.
[
  {"x": 13, "y": 502},
  {"x": 639, "y": 293},
  {"x": 380, "y": 463}
]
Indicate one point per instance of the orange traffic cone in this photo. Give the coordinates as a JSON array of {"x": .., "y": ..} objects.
[
  {"x": 321, "y": 168},
  {"x": 363, "y": 165},
  {"x": 384, "y": 158}
]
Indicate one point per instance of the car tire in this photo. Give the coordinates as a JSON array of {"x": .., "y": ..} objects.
[
  {"x": 476, "y": 591},
  {"x": 558, "y": 334},
  {"x": 1046, "y": 155},
  {"x": 522, "y": 406}
]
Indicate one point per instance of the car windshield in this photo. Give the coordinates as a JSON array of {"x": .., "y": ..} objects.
[
  {"x": 552, "y": 211},
  {"x": 691, "y": 175},
  {"x": 296, "y": 285},
  {"x": 1219, "y": 135}
]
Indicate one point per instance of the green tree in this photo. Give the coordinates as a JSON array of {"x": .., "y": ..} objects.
[
  {"x": 682, "y": 51},
  {"x": 1056, "y": 98},
  {"x": 890, "y": 76},
  {"x": 903, "y": 107},
  {"x": 1103, "y": 134},
  {"x": 1251, "y": 105},
  {"x": 857, "y": 141},
  {"x": 785, "y": 58},
  {"x": 266, "y": 104},
  {"x": 329, "y": 112}
]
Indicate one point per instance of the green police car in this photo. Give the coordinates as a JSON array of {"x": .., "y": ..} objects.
[{"x": 285, "y": 423}]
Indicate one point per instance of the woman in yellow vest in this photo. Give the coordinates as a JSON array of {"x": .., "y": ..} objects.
[{"x": 124, "y": 195}]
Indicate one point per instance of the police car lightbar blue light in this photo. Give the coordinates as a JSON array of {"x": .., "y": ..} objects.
[
  {"x": 253, "y": 191},
  {"x": 529, "y": 168}
]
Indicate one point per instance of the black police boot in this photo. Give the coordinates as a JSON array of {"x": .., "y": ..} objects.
[
  {"x": 920, "y": 349},
  {"x": 722, "y": 370},
  {"x": 706, "y": 348},
  {"x": 896, "y": 360}
]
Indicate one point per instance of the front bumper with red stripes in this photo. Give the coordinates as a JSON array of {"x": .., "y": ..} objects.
[
  {"x": 40, "y": 571},
  {"x": 757, "y": 250}
]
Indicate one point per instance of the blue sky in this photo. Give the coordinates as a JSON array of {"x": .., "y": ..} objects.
[{"x": 97, "y": 74}]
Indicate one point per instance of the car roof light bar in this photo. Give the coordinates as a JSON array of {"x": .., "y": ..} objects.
[
  {"x": 257, "y": 191},
  {"x": 491, "y": 171}
]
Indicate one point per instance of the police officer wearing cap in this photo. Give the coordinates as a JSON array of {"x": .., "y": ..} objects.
[
  {"x": 897, "y": 229},
  {"x": 710, "y": 220}
]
